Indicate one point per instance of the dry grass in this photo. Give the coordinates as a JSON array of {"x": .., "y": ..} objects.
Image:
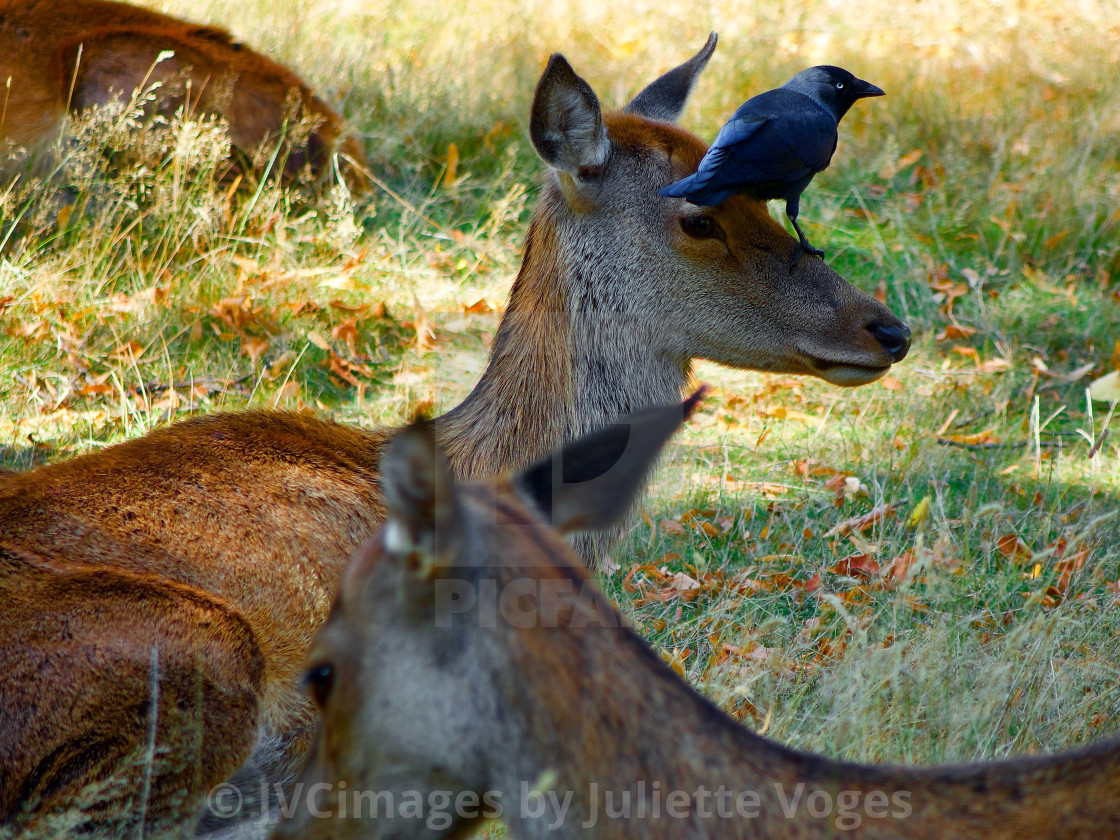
[{"x": 981, "y": 195}]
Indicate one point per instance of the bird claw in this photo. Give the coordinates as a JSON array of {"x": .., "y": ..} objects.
[
  {"x": 800, "y": 250},
  {"x": 805, "y": 247}
]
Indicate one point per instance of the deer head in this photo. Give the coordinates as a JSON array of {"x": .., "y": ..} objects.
[
  {"x": 725, "y": 283},
  {"x": 425, "y": 605}
]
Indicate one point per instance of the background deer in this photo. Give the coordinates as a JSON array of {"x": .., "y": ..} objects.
[
  {"x": 229, "y": 532},
  {"x": 545, "y": 708},
  {"x": 60, "y": 56}
]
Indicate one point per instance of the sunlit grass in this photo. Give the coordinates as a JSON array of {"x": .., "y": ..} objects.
[{"x": 980, "y": 198}]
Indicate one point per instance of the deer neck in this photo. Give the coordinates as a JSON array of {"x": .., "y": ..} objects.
[
  {"x": 570, "y": 355},
  {"x": 603, "y": 729}
]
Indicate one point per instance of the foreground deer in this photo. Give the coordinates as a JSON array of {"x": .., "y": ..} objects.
[
  {"x": 187, "y": 571},
  {"x": 471, "y": 669},
  {"x": 66, "y": 55}
]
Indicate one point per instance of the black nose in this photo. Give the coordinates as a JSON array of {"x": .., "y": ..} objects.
[{"x": 894, "y": 338}]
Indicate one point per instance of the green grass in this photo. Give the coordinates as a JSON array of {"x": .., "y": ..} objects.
[{"x": 981, "y": 194}]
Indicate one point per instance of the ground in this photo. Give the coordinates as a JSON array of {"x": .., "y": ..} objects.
[{"x": 920, "y": 570}]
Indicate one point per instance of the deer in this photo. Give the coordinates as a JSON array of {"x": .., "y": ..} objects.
[
  {"x": 471, "y": 669},
  {"x": 64, "y": 56},
  {"x": 167, "y": 588}
]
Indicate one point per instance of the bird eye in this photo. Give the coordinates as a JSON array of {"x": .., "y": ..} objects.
[
  {"x": 318, "y": 682},
  {"x": 839, "y": 85},
  {"x": 698, "y": 227}
]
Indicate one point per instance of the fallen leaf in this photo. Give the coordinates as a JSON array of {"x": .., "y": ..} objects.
[
  {"x": 347, "y": 332},
  {"x": 983, "y": 438},
  {"x": 891, "y": 384},
  {"x": 953, "y": 332},
  {"x": 129, "y": 351},
  {"x": 813, "y": 467},
  {"x": 919, "y": 514},
  {"x": 861, "y": 523},
  {"x": 451, "y": 175},
  {"x": 683, "y": 583},
  {"x": 970, "y": 352},
  {"x": 1055, "y": 239},
  {"x": 1013, "y": 548},
  {"x": 892, "y": 169},
  {"x": 671, "y": 526},
  {"x": 676, "y": 659},
  {"x": 898, "y": 570},
  {"x": 856, "y": 566},
  {"x": 235, "y": 312},
  {"x": 1106, "y": 388},
  {"x": 1068, "y": 566},
  {"x": 854, "y": 488},
  {"x": 254, "y": 348}
]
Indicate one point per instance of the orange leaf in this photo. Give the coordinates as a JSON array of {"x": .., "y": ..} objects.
[
  {"x": 861, "y": 523},
  {"x": 1013, "y": 548},
  {"x": 908, "y": 159},
  {"x": 452, "y": 173},
  {"x": 977, "y": 439},
  {"x": 856, "y": 566},
  {"x": 954, "y": 331},
  {"x": 1055, "y": 239},
  {"x": 676, "y": 659},
  {"x": 1068, "y": 566},
  {"x": 970, "y": 352},
  {"x": 813, "y": 468},
  {"x": 347, "y": 332},
  {"x": 254, "y": 347},
  {"x": 129, "y": 351},
  {"x": 899, "y": 567}
]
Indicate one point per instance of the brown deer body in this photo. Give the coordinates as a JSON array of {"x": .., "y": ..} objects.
[
  {"x": 442, "y": 704},
  {"x": 66, "y": 55},
  {"x": 252, "y": 517}
]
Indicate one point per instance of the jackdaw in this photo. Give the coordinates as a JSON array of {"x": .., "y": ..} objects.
[{"x": 776, "y": 142}]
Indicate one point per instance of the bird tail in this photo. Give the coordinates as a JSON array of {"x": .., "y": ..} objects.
[{"x": 679, "y": 189}]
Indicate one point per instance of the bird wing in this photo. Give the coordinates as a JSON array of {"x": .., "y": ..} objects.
[
  {"x": 715, "y": 178},
  {"x": 810, "y": 133},
  {"x": 779, "y": 135}
]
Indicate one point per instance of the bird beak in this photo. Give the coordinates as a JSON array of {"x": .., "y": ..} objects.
[{"x": 863, "y": 89}]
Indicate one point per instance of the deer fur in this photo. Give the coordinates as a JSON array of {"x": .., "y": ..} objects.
[
  {"x": 442, "y": 705},
  {"x": 251, "y": 517},
  {"x": 61, "y": 56}
]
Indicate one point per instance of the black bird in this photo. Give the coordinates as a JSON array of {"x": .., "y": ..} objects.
[{"x": 776, "y": 142}]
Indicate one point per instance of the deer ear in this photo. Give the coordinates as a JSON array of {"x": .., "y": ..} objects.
[
  {"x": 423, "y": 524},
  {"x": 665, "y": 98},
  {"x": 566, "y": 123},
  {"x": 590, "y": 484}
]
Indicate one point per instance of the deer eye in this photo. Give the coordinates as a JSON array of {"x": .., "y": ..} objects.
[
  {"x": 318, "y": 682},
  {"x": 698, "y": 227}
]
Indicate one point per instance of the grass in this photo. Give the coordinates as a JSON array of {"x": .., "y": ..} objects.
[{"x": 980, "y": 198}]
